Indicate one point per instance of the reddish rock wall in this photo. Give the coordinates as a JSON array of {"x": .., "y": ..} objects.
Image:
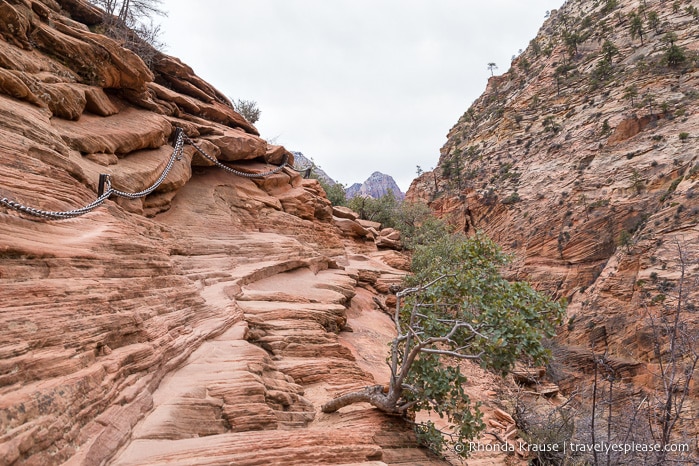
[{"x": 98, "y": 311}]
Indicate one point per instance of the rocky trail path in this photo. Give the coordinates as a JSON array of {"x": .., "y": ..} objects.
[{"x": 303, "y": 333}]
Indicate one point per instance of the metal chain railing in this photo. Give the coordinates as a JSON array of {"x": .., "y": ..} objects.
[
  {"x": 104, "y": 194},
  {"x": 176, "y": 155},
  {"x": 215, "y": 161},
  {"x": 53, "y": 214}
]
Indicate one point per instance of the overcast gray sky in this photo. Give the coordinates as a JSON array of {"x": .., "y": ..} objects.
[{"x": 357, "y": 85}]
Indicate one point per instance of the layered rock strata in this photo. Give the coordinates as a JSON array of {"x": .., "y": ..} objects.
[
  {"x": 111, "y": 321},
  {"x": 581, "y": 160}
]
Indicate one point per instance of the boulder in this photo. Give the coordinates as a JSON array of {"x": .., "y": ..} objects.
[
  {"x": 97, "y": 102},
  {"x": 345, "y": 212},
  {"x": 350, "y": 227},
  {"x": 390, "y": 233},
  {"x": 385, "y": 243},
  {"x": 369, "y": 224},
  {"x": 236, "y": 144}
]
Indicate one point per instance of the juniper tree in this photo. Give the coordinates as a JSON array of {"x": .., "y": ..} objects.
[
  {"x": 630, "y": 93},
  {"x": 492, "y": 66},
  {"x": 636, "y": 26},
  {"x": 456, "y": 307},
  {"x": 131, "y": 23}
]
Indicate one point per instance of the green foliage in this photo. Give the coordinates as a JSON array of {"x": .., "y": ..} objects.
[
  {"x": 417, "y": 224},
  {"x": 551, "y": 125},
  {"x": 684, "y": 136},
  {"x": 511, "y": 199},
  {"x": 382, "y": 210},
  {"x": 630, "y": 93},
  {"x": 637, "y": 181},
  {"x": 511, "y": 318},
  {"x": 625, "y": 239},
  {"x": 561, "y": 73},
  {"x": 675, "y": 55},
  {"x": 609, "y": 50},
  {"x": 609, "y": 6},
  {"x": 671, "y": 189},
  {"x": 649, "y": 100},
  {"x": 524, "y": 64},
  {"x": 462, "y": 308},
  {"x": 572, "y": 40},
  {"x": 653, "y": 20},
  {"x": 636, "y": 26},
  {"x": 335, "y": 193},
  {"x": 602, "y": 72}
]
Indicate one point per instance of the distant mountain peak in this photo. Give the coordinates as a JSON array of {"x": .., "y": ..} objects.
[
  {"x": 377, "y": 185},
  {"x": 301, "y": 161}
]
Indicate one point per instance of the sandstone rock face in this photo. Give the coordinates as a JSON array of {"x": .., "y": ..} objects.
[
  {"x": 196, "y": 324},
  {"x": 351, "y": 227},
  {"x": 345, "y": 212},
  {"x": 573, "y": 161}
]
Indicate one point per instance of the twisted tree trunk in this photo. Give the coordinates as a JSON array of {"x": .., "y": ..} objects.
[{"x": 374, "y": 395}]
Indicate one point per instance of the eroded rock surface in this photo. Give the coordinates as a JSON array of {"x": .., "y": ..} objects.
[
  {"x": 198, "y": 324},
  {"x": 584, "y": 166}
]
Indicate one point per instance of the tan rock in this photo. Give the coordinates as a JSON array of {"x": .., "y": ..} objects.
[
  {"x": 187, "y": 104},
  {"x": 277, "y": 154},
  {"x": 208, "y": 147},
  {"x": 103, "y": 159},
  {"x": 376, "y": 226},
  {"x": 581, "y": 190},
  {"x": 350, "y": 227},
  {"x": 126, "y": 334},
  {"x": 238, "y": 145},
  {"x": 98, "y": 102},
  {"x": 386, "y": 243},
  {"x": 97, "y": 59},
  {"x": 298, "y": 202},
  {"x": 125, "y": 132},
  {"x": 64, "y": 100},
  {"x": 11, "y": 84},
  {"x": 345, "y": 212},
  {"x": 628, "y": 128},
  {"x": 396, "y": 260},
  {"x": 14, "y": 24}
]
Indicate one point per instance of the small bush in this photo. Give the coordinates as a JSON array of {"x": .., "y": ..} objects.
[
  {"x": 511, "y": 199},
  {"x": 248, "y": 109}
]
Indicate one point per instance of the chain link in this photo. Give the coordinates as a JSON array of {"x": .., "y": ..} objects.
[
  {"x": 176, "y": 155},
  {"x": 54, "y": 214},
  {"x": 180, "y": 140},
  {"x": 215, "y": 161}
]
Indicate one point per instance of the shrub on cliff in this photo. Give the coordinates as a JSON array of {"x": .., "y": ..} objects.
[
  {"x": 456, "y": 306},
  {"x": 382, "y": 210},
  {"x": 248, "y": 109},
  {"x": 336, "y": 192},
  {"x": 674, "y": 54},
  {"x": 130, "y": 22}
]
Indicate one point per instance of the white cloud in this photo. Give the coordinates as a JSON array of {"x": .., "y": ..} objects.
[{"x": 357, "y": 85}]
